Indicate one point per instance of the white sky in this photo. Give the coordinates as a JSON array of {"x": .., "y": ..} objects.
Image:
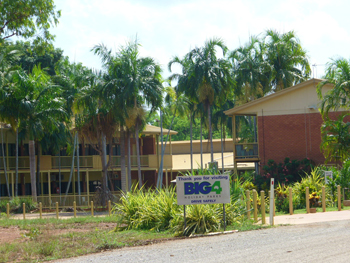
[{"x": 167, "y": 28}]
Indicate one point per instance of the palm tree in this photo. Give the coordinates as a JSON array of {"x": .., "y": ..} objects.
[
  {"x": 138, "y": 81},
  {"x": 251, "y": 71},
  {"x": 287, "y": 58},
  {"x": 44, "y": 111},
  {"x": 211, "y": 78}
]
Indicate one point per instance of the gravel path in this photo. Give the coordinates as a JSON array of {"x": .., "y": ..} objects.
[{"x": 317, "y": 242}]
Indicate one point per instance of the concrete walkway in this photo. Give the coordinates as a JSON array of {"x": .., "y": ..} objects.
[{"x": 299, "y": 219}]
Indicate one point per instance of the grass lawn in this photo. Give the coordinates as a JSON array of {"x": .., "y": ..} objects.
[{"x": 47, "y": 239}]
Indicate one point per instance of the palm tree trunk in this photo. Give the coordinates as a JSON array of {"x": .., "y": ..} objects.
[
  {"x": 191, "y": 146},
  {"x": 104, "y": 170},
  {"x": 32, "y": 169},
  {"x": 71, "y": 171},
  {"x": 4, "y": 161},
  {"x": 78, "y": 169},
  {"x": 38, "y": 169},
  {"x": 59, "y": 173},
  {"x": 210, "y": 135},
  {"x": 138, "y": 155},
  {"x": 222, "y": 150},
  {"x": 16, "y": 190},
  {"x": 202, "y": 144},
  {"x": 129, "y": 159},
  {"x": 122, "y": 159}
]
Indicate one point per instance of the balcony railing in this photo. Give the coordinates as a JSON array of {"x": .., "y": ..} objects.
[
  {"x": 247, "y": 151},
  {"x": 92, "y": 161}
]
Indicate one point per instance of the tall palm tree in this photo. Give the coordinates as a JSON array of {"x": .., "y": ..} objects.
[
  {"x": 211, "y": 77},
  {"x": 287, "y": 58},
  {"x": 44, "y": 111}
]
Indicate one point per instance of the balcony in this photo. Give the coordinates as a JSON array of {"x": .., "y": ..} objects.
[
  {"x": 246, "y": 151},
  {"x": 48, "y": 162}
]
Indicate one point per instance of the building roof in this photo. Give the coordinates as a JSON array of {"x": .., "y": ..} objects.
[
  {"x": 245, "y": 107},
  {"x": 150, "y": 129}
]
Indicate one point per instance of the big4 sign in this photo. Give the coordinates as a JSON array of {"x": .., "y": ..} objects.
[{"x": 206, "y": 189}]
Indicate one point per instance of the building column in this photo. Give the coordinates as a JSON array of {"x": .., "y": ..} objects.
[
  {"x": 166, "y": 178},
  {"x": 13, "y": 185},
  {"x": 234, "y": 143}
]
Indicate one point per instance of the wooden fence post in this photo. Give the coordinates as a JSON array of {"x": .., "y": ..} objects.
[
  {"x": 339, "y": 198},
  {"x": 92, "y": 208},
  {"x": 75, "y": 209},
  {"x": 262, "y": 199},
  {"x": 8, "y": 210},
  {"x": 248, "y": 203},
  {"x": 307, "y": 200},
  {"x": 290, "y": 201},
  {"x": 255, "y": 205},
  {"x": 41, "y": 210},
  {"x": 323, "y": 199},
  {"x": 56, "y": 210},
  {"x": 24, "y": 211}
]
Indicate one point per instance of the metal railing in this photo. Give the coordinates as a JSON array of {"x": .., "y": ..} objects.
[
  {"x": 247, "y": 150},
  {"x": 66, "y": 161}
]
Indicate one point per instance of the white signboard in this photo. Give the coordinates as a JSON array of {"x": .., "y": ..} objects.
[
  {"x": 328, "y": 174},
  {"x": 206, "y": 189}
]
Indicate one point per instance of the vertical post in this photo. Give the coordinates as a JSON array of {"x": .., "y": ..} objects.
[
  {"x": 109, "y": 207},
  {"x": 262, "y": 199},
  {"x": 307, "y": 200},
  {"x": 166, "y": 178},
  {"x": 75, "y": 209},
  {"x": 247, "y": 194},
  {"x": 49, "y": 186},
  {"x": 272, "y": 200},
  {"x": 323, "y": 199},
  {"x": 41, "y": 210},
  {"x": 224, "y": 213},
  {"x": 56, "y": 210},
  {"x": 290, "y": 201},
  {"x": 24, "y": 211},
  {"x": 13, "y": 186},
  {"x": 42, "y": 185},
  {"x": 92, "y": 208},
  {"x": 184, "y": 217},
  {"x": 87, "y": 186},
  {"x": 339, "y": 198},
  {"x": 255, "y": 205},
  {"x": 8, "y": 210},
  {"x": 234, "y": 143}
]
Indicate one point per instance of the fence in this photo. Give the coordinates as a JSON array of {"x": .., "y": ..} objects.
[{"x": 290, "y": 198}]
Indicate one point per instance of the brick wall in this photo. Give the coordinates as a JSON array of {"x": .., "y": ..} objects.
[{"x": 296, "y": 136}]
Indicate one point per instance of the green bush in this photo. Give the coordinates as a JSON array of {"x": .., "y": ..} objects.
[{"x": 16, "y": 204}]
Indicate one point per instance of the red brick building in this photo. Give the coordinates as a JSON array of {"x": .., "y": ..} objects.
[{"x": 285, "y": 124}]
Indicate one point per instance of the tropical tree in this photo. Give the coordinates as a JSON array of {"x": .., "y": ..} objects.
[
  {"x": 28, "y": 18},
  {"x": 211, "y": 77},
  {"x": 335, "y": 132},
  {"x": 139, "y": 81},
  {"x": 287, "y": 58},
  {"x": 44, "y": 111}
]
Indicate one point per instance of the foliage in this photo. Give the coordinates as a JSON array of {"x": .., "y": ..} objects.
[
  {"x": 28, "y": 18},
  {"x": 16, "y": 205},
  {"x": 313, "y": 199},
  {"x": 288, "y": 172},
  {"x": 314, "y": 181},
  {"x": 335, "y": 143}
]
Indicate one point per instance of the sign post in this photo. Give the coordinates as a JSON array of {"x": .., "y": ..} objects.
[
  {"x": 206, "y": 189},
  {"x": 272, "y": 196}
]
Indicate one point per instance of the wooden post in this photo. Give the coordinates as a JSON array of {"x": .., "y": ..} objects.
[
  {"x": 75, "y": 209},
  {"x": 56, "y": 210},
  {"x": 24, "y": 211},
  {"x": 248, "y": 203},
  {"x": 307, "y": 200},
  {"x": 290, "y": 201},
  {"x": 109, "y": 207},
  {"x": 255, "y": 205},
  {"x": 339, "y": 198},
  {"x": 262, "y": 199},
  {"x": 41, "y": 210},
  {"x": 49, "y": 186},
  {"x": 92, "y": 208},
  {"x": 8, "y": 210},
  {"x": 323, "y": 199}
]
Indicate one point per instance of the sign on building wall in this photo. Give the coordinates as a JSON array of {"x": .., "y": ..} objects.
[{"x": 206, "y": 189}]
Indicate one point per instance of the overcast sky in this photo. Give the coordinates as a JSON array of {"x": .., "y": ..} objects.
[{"x": 167, "y": 28}]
